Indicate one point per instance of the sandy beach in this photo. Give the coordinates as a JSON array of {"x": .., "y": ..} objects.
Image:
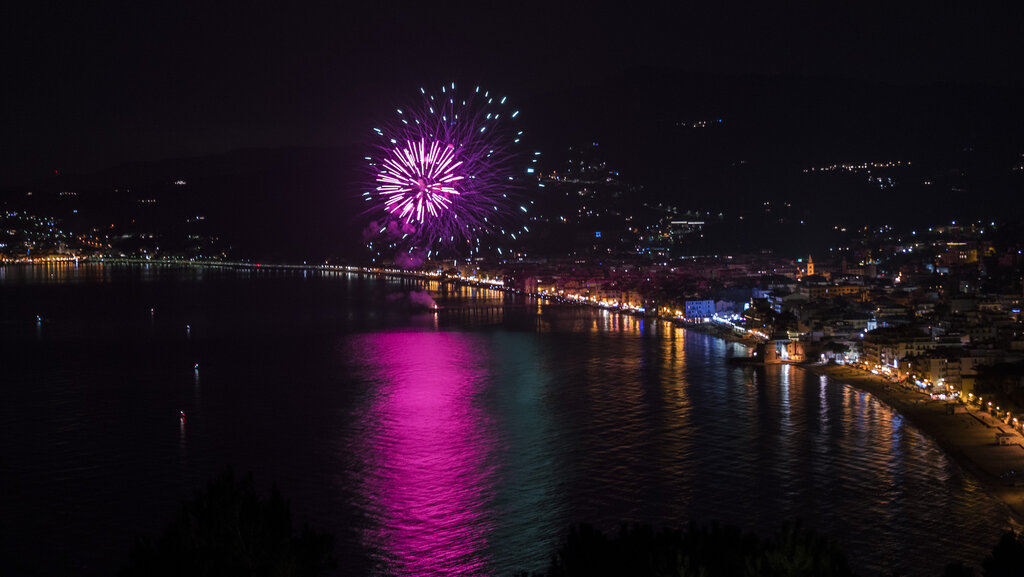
[{"x": 968, "y": 437}]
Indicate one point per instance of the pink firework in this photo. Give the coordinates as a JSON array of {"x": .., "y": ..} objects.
[
  {"x": 447, "y": 178},
  {"x": 420, "y": 180}
]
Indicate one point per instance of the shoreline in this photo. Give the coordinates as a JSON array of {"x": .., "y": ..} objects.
[
  {"x": 716, "y": 330},
  {"x": 968, "y": 438}
]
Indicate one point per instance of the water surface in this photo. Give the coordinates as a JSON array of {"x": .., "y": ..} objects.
[{"x": 458, "y": 441}]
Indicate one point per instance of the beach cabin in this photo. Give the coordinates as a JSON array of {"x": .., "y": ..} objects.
[{"x": 1006, "y": 439}]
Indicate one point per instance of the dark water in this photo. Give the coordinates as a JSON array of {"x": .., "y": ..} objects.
[{"x": 463, "y": 441}]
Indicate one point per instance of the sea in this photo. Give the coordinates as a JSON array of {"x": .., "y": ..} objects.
[{"x": 432, "y": 428}]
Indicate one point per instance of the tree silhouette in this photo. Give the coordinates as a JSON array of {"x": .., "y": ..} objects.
[
  {"x": 711, "y": 551},
  {"x": 228, "y": 530},
  {"x": 1007, "y": 558},
  {"x": 957, "y": 569}
]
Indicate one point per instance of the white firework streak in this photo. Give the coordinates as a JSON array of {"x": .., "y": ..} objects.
[
  {"x": 447, "y": 174},
  {"x": 419, "y": 178}
]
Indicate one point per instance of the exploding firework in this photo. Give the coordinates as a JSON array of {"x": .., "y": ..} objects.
[{"x": 448, "y": 177}]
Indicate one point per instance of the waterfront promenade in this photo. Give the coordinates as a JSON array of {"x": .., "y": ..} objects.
[{"x": 968, "y": 436}]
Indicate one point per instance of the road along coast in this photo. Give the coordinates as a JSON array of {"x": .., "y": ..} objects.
[{"x": 967, "y": 435}]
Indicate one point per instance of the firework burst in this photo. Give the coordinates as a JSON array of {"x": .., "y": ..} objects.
[{"x": 447, "y": 177}]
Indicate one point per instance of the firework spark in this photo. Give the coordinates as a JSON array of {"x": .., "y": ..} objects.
[
  {"x": 420, "y": 180},
  {"x": 446, "y": 176}
]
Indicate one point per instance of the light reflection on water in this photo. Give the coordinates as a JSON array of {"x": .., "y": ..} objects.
[
  {"x": 430, "y": 472},
  {"x": 461, "y": 441},
  {"x": 645, "y": 422}
]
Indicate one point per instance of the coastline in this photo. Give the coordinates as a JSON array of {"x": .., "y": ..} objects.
[
  {"x": 719, "y": 331},
  {"x": 967, "y": 437}
]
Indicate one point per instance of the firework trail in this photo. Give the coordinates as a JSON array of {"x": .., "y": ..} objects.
[{"x": 447, "y": 178}]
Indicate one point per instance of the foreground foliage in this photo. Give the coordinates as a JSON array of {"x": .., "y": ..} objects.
[
  {"x": 229, "y": 530},
  {"x": 1007, "y": 558},
  {"x": 726, "y": 551},
  {"x": 711, "y": 551}
]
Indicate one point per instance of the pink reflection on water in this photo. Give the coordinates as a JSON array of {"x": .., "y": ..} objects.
[{"x": 429, "y": 456}]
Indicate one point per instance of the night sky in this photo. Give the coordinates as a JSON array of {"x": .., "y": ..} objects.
[{"x": 89, "y": 85}]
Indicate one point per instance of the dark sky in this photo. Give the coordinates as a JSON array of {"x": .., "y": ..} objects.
[{"x": 91, "y": 84}]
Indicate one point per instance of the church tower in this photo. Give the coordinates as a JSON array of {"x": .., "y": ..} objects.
[{"x": 810, "y": 266}]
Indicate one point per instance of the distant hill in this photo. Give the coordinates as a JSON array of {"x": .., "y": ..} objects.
[
  {"x": 966, "y": 138},
  {"x": 697, "y": 141},
  {"x": 289, "y": 203}
]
